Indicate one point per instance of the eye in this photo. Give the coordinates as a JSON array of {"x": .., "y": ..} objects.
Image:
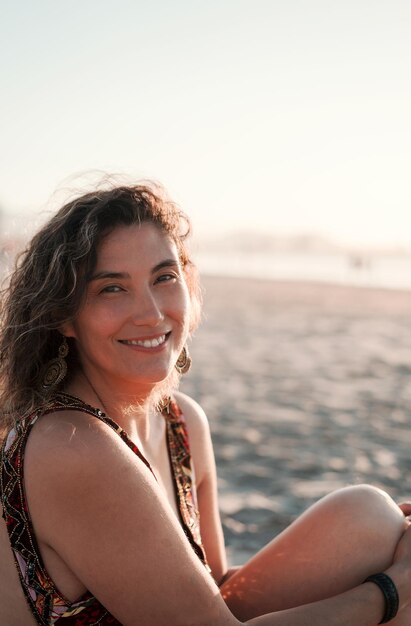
[
  {"x": 111, "y": 289},
  {"x": 165, "y": 278}
]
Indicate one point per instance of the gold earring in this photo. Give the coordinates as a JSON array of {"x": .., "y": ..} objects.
[
  {"x": 183, "y": 362},
  {"x": 56, "y": 368}
]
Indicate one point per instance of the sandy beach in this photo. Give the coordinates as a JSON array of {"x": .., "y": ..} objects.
[{"x": 307, "y": 388}]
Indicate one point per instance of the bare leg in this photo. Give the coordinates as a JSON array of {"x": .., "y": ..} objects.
[{"x": 331, "y": 548}]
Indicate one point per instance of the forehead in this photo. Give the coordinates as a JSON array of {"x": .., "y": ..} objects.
[{"x": 141, "y": 243}]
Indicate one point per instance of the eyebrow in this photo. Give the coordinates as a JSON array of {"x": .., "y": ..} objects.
[{"x": 126, "y": 275}]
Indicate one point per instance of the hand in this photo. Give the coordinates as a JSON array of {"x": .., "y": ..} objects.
[
  {"x": 405, "y": 508},
  {"x": 400, "y": 570},
  {"x": 403, "y": 551}
]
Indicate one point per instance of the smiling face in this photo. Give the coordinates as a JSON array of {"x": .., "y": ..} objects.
[{"x": 135, "y": 318}]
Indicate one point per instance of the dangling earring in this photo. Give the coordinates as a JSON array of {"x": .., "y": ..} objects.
[
  {"x": 56, "y": 368},
  {"x": 183, "y": 362}
]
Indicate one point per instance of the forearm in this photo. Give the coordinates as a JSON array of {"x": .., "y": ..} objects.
[{"x": 362, "y": 606}]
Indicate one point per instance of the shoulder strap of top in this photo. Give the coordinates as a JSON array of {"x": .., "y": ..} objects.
[
  {"x": 66, "y": 402},
  {"x": 184, "y": 479}
]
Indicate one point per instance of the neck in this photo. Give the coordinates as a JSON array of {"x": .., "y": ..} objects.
[{"x": 132, "y": 413}]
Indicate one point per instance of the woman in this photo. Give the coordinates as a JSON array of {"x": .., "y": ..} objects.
[{"x": 108, "y": 518}]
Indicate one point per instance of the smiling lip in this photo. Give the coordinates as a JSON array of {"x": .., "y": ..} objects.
[{"x": 148, "y": 343}]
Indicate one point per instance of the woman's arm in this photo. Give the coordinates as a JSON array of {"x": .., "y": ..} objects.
[
  {"x": 362, "y": 606},
  {"x": 206, "y": 482},
  {"x": 108, "y": 520}
]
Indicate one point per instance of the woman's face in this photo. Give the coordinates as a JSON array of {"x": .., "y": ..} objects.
[{"x": 135, "y": 317}]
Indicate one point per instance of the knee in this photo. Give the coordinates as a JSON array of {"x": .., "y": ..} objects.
[
  {"x": 368, "y": 508},
  {"x": 366, "y": 498}
]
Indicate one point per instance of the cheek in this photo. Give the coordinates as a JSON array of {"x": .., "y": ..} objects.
[
  {"x": 185, "y": 308},
  {"x": 181, "y": 316},
  {"x": 99, "y": 319}
]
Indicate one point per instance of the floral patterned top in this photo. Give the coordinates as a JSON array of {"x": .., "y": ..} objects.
[{"x": 47, "y": 605}]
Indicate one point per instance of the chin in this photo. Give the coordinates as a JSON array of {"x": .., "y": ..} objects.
[
  {"x": 164, "y": 388},
  {"x": 158, "y": 378}
]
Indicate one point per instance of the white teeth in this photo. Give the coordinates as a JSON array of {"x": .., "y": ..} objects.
[{"x": 147, "y": 343}]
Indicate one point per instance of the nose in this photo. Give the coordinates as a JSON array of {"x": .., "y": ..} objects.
[{"x": 147, "y": 311}]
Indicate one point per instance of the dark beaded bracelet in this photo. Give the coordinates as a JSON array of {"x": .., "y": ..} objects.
[{"x": 388, "y": 588}]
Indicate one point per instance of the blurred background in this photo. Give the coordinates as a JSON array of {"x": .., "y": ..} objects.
[{"x": 283, "y": 129}]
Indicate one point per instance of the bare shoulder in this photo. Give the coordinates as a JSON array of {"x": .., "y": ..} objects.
[
  {"x": 71, "y": 454},
  {"x": 70, "y": 436}
]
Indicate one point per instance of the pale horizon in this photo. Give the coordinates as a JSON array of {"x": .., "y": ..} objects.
[{"x": 285, "y": 119}]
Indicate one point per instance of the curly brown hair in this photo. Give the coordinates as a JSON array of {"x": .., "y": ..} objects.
[{"x": 49, "y": 282}]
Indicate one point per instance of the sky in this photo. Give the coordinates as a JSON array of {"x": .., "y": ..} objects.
[{"x": 284, "y": 117}]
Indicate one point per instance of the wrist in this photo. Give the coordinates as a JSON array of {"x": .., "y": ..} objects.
[
  {"x": 390, "y": 593},
  {"x": 401, "y": 576}
]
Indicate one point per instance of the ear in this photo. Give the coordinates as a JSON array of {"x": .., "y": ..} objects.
[{"x": 68, "y": 330}]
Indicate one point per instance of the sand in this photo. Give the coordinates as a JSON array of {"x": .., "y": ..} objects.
[{"x": 307, "y": 388}]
